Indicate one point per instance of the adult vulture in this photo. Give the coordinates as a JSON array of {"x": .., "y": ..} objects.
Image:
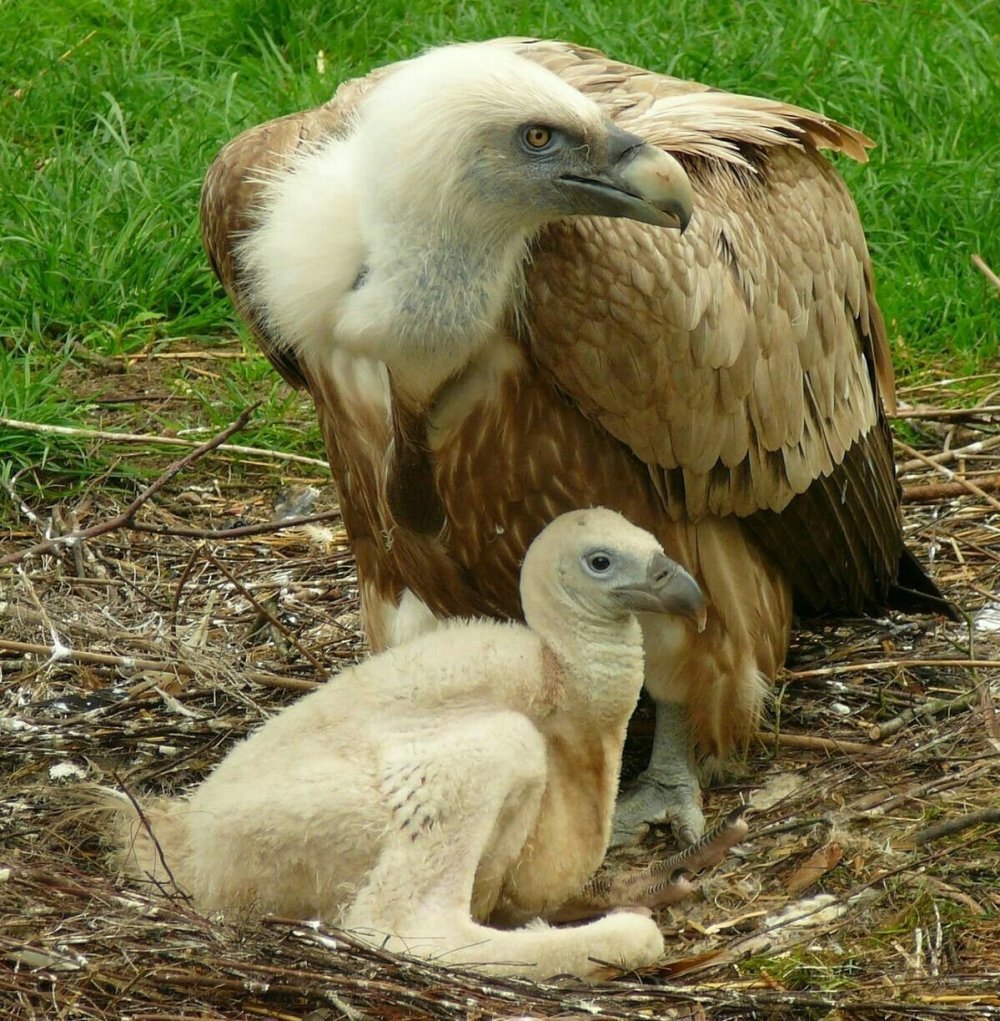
[{"x": 467, "y": 259}]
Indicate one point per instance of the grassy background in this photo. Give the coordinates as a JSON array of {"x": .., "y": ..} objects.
[{"x": 111, "y": 110}]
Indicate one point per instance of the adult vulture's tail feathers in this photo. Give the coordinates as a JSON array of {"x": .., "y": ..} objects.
[{"x": 915, "y": 592}]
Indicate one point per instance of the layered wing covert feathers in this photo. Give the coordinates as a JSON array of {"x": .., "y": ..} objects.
[{"x": 744, "y": 364}]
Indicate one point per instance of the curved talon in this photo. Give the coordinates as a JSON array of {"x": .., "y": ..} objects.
[
  {"x": 656, "y": 802},
  {"x": 710, "y": 848}
]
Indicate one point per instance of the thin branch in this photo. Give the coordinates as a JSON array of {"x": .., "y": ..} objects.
[
  {"x": 265, "y": 612},
  {"x": 130, "y": 664},
  {"x": 970, "y": 487},
  {"x": 126, "y": 516},
  {"x": 948, "y": 490},
  {"x": 818, "y": 744},
  {"x": 947, "y": 456},
  {"x": 235, "y": 533},
  {"x": 144, "y": 823},
  {"x": 949, "y": 826},
  {"x": 889, "y": 664},
  {"x": 933, "y": 707},
  {"x": 947, "y": 414},
  {"x": 977, "y": 261},
  {"x": 169, "y": 441}
]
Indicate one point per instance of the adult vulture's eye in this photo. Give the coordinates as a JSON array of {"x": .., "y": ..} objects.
[
  {"x": 599, "y": 563},
  {"x": 537, "y": 136}
]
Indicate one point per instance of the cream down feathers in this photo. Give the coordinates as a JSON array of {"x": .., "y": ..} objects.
[{"x": 462, "y": 781}]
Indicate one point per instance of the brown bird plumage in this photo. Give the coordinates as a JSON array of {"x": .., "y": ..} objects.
[{"x": 723, "y": 388}]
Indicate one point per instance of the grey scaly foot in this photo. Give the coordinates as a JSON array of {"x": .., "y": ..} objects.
[{"x": 668, "y": 791}]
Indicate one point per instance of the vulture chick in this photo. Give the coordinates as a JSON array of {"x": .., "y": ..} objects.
[
  {"x": 467, "y": 776},
  {"x": 471, "y": 261}
]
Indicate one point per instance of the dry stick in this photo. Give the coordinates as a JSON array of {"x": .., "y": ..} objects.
[
  {"x": 132, "y": 663},
  {"x": 970, "y": 487},
  {"x": 185, "y": 574},
  {"x": 264, "y": 611},
  {"x": 946, "y": 456},
  {"x": 200, "y": 355},
  {"x": 170, "y": 441},
  {"x": 862, "y": 807},
  {"x": 236, "y": 533},
  {"x": 144, "y": 822},
  {"x": 949, "y": 826},
  {"x": 120, "y": 520},
  {"x": 934, "y": 707},
  {"x": 889, "y": 664},
  {"x": 947, "y": 414},
  {"x": 947, "y": 490},
  {"x": 977, "y": 261},
  {"x": 818, "y": 744},
  {"x": 25, "y": 510}
]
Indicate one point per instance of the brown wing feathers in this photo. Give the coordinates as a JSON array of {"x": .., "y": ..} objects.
[
  {"x": 734, "y": 371},
  {"x": 230, "y": 198}
]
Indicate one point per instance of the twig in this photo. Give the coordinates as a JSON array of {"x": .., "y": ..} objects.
[
  {"x": 120, "y": 520},
  {"x": 19, "y": 503},
  {"x": 129, "y": 664},
  {"x": 970, "y": 487},
  {"x": 109, "y": 365},
  {"x": 264, "y": 611},
  {"x": 881, "y": 802},
  {"x": 977, "y": 261},
  {"x": 945, "y": 414},
  {"x": 889, "y": 664},
  {"x": 933, "y": 707},
  {"x": 949, "y": 826},
  {"x": 822, "y": 744},
  {"x": 144, "y": 822},
  {"x": 235, "y": 533},
  {"x": 58, "y": 649},
  {"x": 169, "y": 441},
  {"x": 948, "y": 490},
  {"x": 947, "y": 456},
  {"x": 185, "y": 356}
]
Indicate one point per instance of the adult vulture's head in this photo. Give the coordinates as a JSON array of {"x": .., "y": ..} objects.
[
  {"x": 404, "y": 239},
  {"x": 510, "y": 141}
]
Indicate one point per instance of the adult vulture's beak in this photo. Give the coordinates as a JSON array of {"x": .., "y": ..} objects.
[
  {"x": 668, "y": 588},
  {"x": 637, "y": 181}
]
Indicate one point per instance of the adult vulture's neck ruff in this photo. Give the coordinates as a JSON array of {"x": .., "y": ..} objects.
[
  {"x": 404, "y": 238},
  {"x": 467, "y": 260}
]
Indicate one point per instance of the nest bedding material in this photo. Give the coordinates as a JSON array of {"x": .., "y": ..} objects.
[{"x": 868, "y": 886}]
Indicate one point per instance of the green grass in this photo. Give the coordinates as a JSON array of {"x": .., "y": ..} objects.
[{"x": 111, "y": 110}]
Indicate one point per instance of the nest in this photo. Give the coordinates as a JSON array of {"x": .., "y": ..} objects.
[{"x": 137, "y": 653}]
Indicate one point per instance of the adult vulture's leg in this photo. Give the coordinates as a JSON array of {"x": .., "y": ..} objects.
[
  {"x": 709, "y": 686},
  {"x": 668, "y": 790}
]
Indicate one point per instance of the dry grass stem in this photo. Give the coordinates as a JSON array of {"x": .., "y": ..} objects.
[
  {"x": 158, "y": 441},
  {"x": 979, "y": 263}
]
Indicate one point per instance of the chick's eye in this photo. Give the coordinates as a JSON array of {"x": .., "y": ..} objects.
[
  {"x": 599, "y": 563},
  {"x": 537, "y": 136}
]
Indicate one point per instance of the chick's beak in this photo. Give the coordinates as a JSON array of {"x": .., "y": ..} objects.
[{"x": 668, "y": 588}]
